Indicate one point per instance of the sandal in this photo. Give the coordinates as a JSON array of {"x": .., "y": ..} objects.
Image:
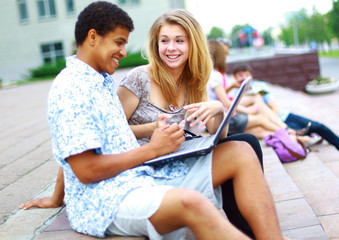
[
  {"x": 315, "y": 139},
  {"x": 304, "y": 130}
]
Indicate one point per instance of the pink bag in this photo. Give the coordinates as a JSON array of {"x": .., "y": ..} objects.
[{"x": 286, "y": 148}]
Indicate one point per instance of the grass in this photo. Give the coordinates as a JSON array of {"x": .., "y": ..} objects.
[
  {"x": 332, "y": 54},
  {"x": 32, "y": 80},
  {"x": 133, "y": 59}
]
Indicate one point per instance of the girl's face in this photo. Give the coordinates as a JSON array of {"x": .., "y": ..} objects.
[{"x": 173, "y": 46}]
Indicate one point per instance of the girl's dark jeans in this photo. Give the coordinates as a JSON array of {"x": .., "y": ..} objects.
[{"x": 297, "y": 122}]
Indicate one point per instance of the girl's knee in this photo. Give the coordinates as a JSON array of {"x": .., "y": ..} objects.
[
  {"x": 245, "y": 154},
  {"x": 236, "y": 152},
  {"x": 243, "y": 148}
]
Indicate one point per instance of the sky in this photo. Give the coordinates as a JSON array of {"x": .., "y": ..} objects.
[{"x": 260, "y": 14}]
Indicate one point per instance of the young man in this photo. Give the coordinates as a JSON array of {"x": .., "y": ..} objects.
[{"x": 107, "y": 190}]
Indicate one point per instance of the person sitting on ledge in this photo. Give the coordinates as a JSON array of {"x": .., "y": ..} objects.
[{"x": 311, "y": 132}]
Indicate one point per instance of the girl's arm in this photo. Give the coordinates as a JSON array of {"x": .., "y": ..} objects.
[
  {"x": 130, "y": 103},
  {"x": 222, "y": 96}
]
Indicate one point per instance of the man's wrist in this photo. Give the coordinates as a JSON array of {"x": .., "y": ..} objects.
[{"x": 150, "y": 150}]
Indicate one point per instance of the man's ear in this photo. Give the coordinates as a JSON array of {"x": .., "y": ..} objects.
[{"x": 92, "y": 36}]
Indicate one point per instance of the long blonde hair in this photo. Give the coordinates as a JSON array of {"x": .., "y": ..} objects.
[{"x": 198, "y": 67}]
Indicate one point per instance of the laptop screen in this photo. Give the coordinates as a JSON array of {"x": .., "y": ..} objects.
[{"x": 245, "y": 84}]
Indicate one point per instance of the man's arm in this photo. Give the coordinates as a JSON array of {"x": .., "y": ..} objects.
[
  {"x": 234, "y": 84},
  {"x": 89, "y": 167}
]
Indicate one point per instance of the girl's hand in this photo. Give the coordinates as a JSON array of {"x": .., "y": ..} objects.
[
  {"x": 162, "y": 119},
  {"x": 203, "y": 112}
]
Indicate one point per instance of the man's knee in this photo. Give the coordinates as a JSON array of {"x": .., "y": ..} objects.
[
  {"x": 192, "y": 200},
  {"x": 181, "y": 204}
]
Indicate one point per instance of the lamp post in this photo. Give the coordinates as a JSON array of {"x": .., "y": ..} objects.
[{"x": 295, "y": 33}]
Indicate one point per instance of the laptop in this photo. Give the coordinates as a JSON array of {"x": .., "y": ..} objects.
[{"x": 204, "y": 145}]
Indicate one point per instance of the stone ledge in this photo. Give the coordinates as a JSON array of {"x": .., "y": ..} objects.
[
  {"x": 61, "y": 227},
  {"x": 288, "y": 70}
]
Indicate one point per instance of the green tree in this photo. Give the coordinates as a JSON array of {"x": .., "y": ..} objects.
[
  {"x": 267, "y": 36},
  {"x": 317, "y": 28},
  {"x": 294, "y": 33},
  {"x": 333, "y": 18},
  {"x": 299, "y": 23},
  {"x": 215, "y": 33},
  {"x": 302, "y": 28},
  {"x": 286, "y": 35}
]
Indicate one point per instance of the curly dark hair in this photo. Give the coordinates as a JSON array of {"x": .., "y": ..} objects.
[{"x": 102, "y": 16}]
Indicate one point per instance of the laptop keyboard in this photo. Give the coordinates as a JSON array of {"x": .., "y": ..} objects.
[{"x": 195, "y": 143}]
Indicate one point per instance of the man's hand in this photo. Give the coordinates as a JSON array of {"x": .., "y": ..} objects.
[{"x": 167, "y": 138}]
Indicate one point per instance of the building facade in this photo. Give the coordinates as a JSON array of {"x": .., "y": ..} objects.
[{"x": 35, "y": 32}]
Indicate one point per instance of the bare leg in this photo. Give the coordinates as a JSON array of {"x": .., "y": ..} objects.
[
  {"x": 264, "y": 109},
  {"x": 259, "y": 132},
  {"x": 186, "y": 207},
  {"x": 268, "y": 112},
  {"x": 229, "y": 203},
  {"x": 272, "y": 116},
  {"x": 260, "y": 120},
  {"x": 247, "y": 100},
  {"x": 237, "y": 160}
]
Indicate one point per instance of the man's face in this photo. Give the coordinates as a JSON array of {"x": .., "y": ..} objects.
[
  {"x": 109, "y": 50},
  {"x": 242, "y": 75}
]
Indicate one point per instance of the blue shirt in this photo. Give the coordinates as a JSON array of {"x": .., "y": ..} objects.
[{"x": 84, "y": 113}]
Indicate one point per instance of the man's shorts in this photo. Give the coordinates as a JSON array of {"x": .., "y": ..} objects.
[
  {"x": 142, "y": 203},
  {"x": 237, "y": 124},
  {"x": 135, "y": 210}
]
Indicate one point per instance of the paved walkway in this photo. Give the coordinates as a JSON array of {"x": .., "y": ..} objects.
[{"x": 306, "y": 192}]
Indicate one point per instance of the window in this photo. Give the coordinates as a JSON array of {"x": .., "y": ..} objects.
[
  {"x": 46, "y": 8},
  {"x": 70, "y": 6},
  {"x": 23, "y": 14},
  {"x": 130, "y": 2},
  {"x": 52, "y": 52}
]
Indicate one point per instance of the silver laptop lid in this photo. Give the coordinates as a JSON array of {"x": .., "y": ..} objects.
[{"x": 244, "y": 86}]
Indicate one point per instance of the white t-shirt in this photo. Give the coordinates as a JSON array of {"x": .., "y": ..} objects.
[{"x": 215, "y": 80}]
